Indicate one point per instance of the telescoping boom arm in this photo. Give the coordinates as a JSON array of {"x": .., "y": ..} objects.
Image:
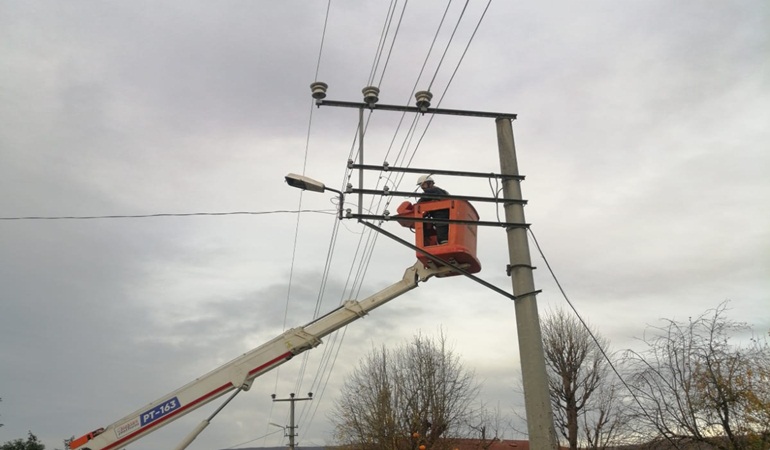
[{"x": 241, "y": 372}]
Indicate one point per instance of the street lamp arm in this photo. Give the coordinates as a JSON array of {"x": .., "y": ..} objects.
[{"x": 338, "y": 192}]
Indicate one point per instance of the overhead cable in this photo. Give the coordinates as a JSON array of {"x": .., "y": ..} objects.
[
  {"x": 417, "y": 82},
  {"x": 368, "y": 249},
  {"x": 478, "y": 24},
  {"x": 459, "y": 19},
  {"x": 145, "y": 216},
  {"x": 441, "y": 98},
  {"x": 383, "y": 37},
  {"x": 304, "y": 167},
  {"x": 590, "y": 333},
  {"x": 323, "y": 38},
  {"x": 393, "y": 42}
]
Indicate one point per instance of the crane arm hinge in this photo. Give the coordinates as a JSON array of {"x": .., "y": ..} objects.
[
  {"x": 355, "y": 307},
  {"x": 298, "y": 340}
]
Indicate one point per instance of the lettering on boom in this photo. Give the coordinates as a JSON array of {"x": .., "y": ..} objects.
[
  {"x": 159, "y": 411},
  {"x": 127, "y": 427}
]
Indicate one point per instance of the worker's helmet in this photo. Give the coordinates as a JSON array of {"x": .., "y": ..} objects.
[{"x": 423, "y": 179}]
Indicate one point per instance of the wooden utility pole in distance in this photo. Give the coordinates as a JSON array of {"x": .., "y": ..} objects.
[
  {"x": 537, "y": 400},
  {"x": 291, "y": 426}
]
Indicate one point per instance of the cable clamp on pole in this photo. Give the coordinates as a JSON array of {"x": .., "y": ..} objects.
[{"x": 509, "y": 267}]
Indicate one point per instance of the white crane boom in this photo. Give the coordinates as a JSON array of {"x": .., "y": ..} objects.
[{"x": 241, "y": 372}]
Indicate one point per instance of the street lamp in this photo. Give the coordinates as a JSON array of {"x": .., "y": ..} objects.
[{"x": 309, "y": 184}]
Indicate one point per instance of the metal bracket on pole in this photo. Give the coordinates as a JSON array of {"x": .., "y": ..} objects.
[
  {"x": 470, "y": 198},
  {"x": 412, "y": 109},
  {"x": 481, "y": 223},
  {"x": 460, "y": 173},
  {"x": 520, "y": 296},
  {"x": 509, "y": 267}
]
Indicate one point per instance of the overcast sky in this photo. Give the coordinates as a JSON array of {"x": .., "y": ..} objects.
[{"x": 642, "y": 131}]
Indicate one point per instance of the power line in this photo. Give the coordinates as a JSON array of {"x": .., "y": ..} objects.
[
  {"x": 459, "y": 19},
  {"x": 478, "y": 24},
  {"x": 405, "y": 144},
  {"x": 430, "y": 50},
  {"x": 366, "y": 255},
  {"x": 333, "y": 339},
  {"x": 145, "y": 216},
  {"x": 299, "y": 206},
  {"x": 383, "y": 36},
  {"x": 443, "y": 94},
  {"x": 590, "y": 333},
  {"x": 414, "y": 88},
  {"x": 255, "y": 439},
  {"x": 393, "y": 42},
  {"x": 323, "y": 38},
  {"x": 368, "y": 247},
  {"x": 319, "y": 298}
]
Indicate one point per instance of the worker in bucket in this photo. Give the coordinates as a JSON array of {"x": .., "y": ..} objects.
[{"x": 429, "y": 187}]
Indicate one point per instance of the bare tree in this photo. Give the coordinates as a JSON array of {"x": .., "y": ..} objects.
[
  {"x": 695, "y": 385},
  {"x": 485, "y": 427},
  {"x": 756, "y": 385},
  {"x": 583, "y": 390},
  {"x": 418, "y": 394},
  {"x": 605, "y": 421}
]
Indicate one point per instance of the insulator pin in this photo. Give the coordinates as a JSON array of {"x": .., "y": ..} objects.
[
  {"x": 371, "y": 95},
  {"x": 319, "y": 90},
  {"x": 423, "y": 100}
]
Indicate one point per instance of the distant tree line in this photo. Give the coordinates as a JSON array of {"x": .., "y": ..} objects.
[
  {"x": 693, "y": 384},
  {"x": 31, "y": 443},
  {"x": 700, "y": 384}
]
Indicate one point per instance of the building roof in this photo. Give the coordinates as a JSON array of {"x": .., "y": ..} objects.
[
  {"x": 504, "y": 444},
  {"x": 460, "y": 444},
  {"x": 475, "y": 444}
]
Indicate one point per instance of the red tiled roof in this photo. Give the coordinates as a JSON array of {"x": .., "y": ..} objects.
[{"x": 475, "y": 444}]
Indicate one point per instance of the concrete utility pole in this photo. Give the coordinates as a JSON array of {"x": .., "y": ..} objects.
[
  {"x": 542, "y": 434},
  {"x": 291, "y": 426}
]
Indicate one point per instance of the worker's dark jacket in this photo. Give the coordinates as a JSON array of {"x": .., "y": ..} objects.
[
  {"x": 442, "y": 229},
  {"x": 432, "y": 190}
]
